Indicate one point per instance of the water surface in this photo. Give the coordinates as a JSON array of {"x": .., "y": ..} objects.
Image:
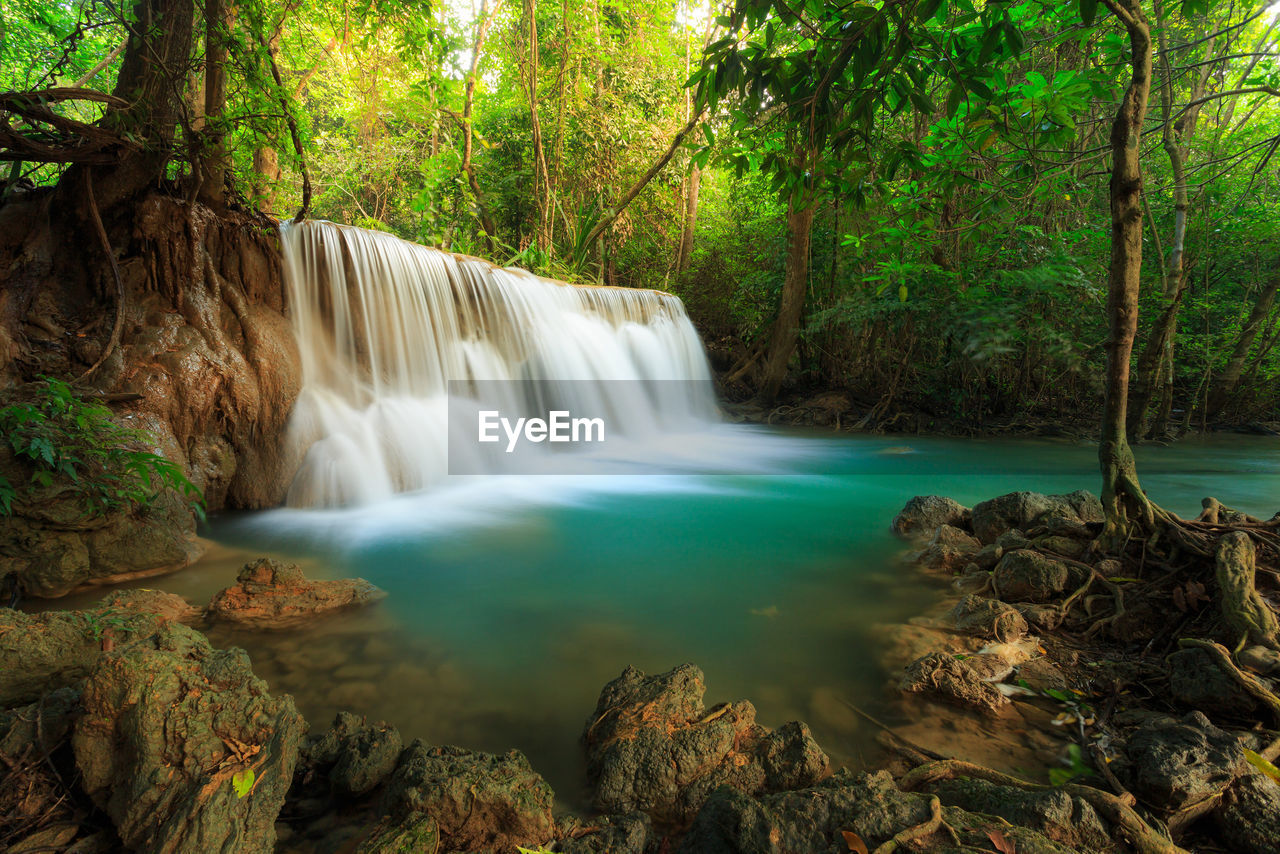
[{"x": 514, "y": 599}]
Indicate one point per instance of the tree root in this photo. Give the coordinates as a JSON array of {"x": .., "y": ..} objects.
[
  {"x": 920, "y": 831},
  {"x": 1250, "y": 683},
  {"x": 1243, "y": 610},
  {"x": 1145, "y": 838},
  {"x": 101, "y": 230}
]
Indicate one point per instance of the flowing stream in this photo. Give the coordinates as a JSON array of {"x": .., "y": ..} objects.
[{"x": 761, "y": 555}]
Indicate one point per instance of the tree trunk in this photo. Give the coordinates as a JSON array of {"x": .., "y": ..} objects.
[
  {"x": 690, "y": 220},
  {"x": 468, "y": 100},
  {"x": 1122, "y": 496},
  {"x": 786, "y": 326},
  {"x": 155, "y": 62},
  {"x": 266, "y": 173},
  {"x": 1225, "y": 384},
  {"x": 219, "y": 16},
  {"x": 541, "y": 182},
  {"x": 1155, "y": 368}
]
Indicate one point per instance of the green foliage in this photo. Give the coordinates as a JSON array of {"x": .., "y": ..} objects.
[
  {"x": 1076, "y": 767},
  {"x": 242, "y": 781},
  {"x": 74, "y": 443}
]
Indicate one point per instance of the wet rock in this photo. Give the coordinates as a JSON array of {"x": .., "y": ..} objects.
[
  {"x": 55, "y": 649},
  {"x": 49, "y": 839},
  {"x": 989, "y": 618},
  {"x": 1028, "y": 576},
  {"x": 652, "y": 746},
  {"x": 1174, "y": 765},
  {"x": 168, "y": 607},
  {"x": 817, "y": 818},
  {"x": 362, "y": 754},
  {"x": 52, "y": 546},
  {"x": 923, "y": 514},
  {"x": 611, "y": 834},
  {"x": 1196, "y": 680},
  {"x": 1019, "y": 509},
  {"x": 949, "y": 550},
  {"x": 1249, "y": 818},
  {"x": 273, "y": 595},
  {"x": 480, "y": 801},
  {"x": 168, "y": 722},
  {"x": 944, "y": 677},
  {"x": 1060, "y": 817}
]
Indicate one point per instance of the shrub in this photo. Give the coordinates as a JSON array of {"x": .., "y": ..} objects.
[{"x": 64, "y": 438}]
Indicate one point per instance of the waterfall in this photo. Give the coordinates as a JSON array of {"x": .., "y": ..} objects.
[{"x": 385, "y": 326}]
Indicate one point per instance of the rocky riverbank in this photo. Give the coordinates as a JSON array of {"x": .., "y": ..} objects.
[{"x": 125, "y": 729}]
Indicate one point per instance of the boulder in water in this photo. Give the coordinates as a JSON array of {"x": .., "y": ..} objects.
[
  {"x": 652, "y": 746},
  {"x": 477, "y": 801},
  {"x": 1024, "y": 575},
  {"x": 1019, "y": 509},
  {"x": 361, "y": 754},
  {"x": 923, "y": 514},
  {"x": 269, "y": 594},
  {"x": 184, "y": 747}
]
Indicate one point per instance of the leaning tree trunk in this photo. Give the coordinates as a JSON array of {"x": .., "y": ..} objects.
[
  {"x": 1122, "y": 496},
  {"x": 1225, "y": 385},
  {"x": 786, "y": 326}
]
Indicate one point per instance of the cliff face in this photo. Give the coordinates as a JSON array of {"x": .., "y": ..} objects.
[{"x": 202, "y": 356}]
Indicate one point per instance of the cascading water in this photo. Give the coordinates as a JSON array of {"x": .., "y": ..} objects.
[{"x": 385, "y": 325}]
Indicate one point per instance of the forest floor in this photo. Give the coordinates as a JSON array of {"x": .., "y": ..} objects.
[{"x": 1108, "y": 672}]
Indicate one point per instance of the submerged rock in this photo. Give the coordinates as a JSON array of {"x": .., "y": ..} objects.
[
  {"x": 652, "y": 746},
  {"x": 170, "y": 731},
  {"x": 477, "y": 801},
  {"x": 923, "y": 514},
  {"x": 273, "y": 595},
  {"x": 820, "y": 819},
  {"x": 1019, "y": 509},
  {"x": 1178, "y": 764},
  {"x": 1024, "y": 575},
  {"x": 949, "y": 679},
  {"x": 361, "y": 754}
]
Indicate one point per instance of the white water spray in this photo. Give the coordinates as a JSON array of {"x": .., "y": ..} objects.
[{"x": 383, "y": 326}]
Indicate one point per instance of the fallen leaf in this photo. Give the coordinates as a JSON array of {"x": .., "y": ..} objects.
[
  {"x": 242, "y": 782},
  {"x": 1001, "y": 842},
  {"x": 1262, "y": 765},
  {"x": 854, "y": 841}
]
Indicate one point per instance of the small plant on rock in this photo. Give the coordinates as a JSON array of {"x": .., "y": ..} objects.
[{"x": 66, "y": 439}]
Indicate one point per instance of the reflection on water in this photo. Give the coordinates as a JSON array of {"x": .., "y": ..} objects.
[{"x": 513, "y": 600}]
